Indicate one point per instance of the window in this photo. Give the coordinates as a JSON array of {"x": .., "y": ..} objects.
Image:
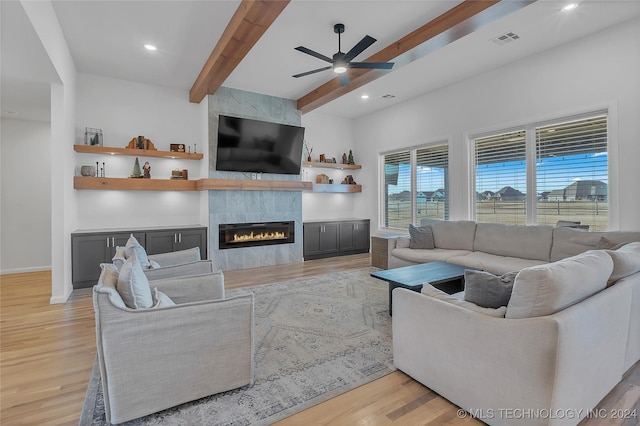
[
  {"x": 555, "y": 173},
  {"x": 415, "y": 186}
]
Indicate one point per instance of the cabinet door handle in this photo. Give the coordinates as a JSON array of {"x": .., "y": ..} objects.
[
  {"x": 180, "y": 238},
  {"x": 113, "y": 241},
  {"x": 175, "y": 238},
  {"x": 107, "y": 241}
]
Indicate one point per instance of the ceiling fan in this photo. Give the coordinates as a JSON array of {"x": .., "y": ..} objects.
[{"x": 341, "y": 61}]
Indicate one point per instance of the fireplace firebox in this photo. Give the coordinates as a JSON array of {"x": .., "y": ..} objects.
[{"x": 235, "y": 235}]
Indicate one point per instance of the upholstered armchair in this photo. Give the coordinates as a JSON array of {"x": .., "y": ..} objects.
[{"x": 192, "y": 342}]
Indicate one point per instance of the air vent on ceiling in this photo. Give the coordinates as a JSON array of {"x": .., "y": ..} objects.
[
  {"x": 388, "y": 96},
  {"x": 505, "y": 38}
]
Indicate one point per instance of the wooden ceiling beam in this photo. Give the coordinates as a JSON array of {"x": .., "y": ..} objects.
[
  {"x": 413, "y": 46},
  {"x": 250, "y": 21}
]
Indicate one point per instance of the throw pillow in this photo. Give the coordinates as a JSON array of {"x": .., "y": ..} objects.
[
  {"x": 108, "y": 275},
  {"x": 545, "y": 289},
  {"x": 133, "y": 246},
  {"x": 605, "y": 244},
  {"x": 161, "y": 300},
  {"x": 133, "y": 285},
  {"x": 421, "y": 237},
  {"x": 626, "y": 261},
  {"x": 488, "y": 290},
  {"x": 120, "y": 257},
  {"x": 431, "y": 291}
]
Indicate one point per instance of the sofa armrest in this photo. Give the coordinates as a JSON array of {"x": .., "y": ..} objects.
[
  {"x": 177, "y": 257},
  {"x": 173, "y": 271},
  {"x": 550, "y": 362},
  {"x": 192, "y": 288}
]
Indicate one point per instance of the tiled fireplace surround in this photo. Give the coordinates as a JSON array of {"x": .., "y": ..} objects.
[{"x": 251, "y": 206}]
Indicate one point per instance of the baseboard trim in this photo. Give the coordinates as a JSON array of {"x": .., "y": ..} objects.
[
  {"x": 24, "y": 270},
  {"x": 61, "y": 299}
]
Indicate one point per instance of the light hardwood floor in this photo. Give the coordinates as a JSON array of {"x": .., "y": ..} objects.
[{"x": 47, "y": 352}]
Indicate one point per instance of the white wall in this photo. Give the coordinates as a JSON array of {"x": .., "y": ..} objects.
[
  {"x": 331, "y": 136},
  {"x": 124, "y": 110},
  {"x": 602, "y": 70},
  {"x": 25, "y": 217}
]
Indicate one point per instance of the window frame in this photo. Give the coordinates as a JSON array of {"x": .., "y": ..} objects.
[
  {"x": 531, "y": 157},
  {"x": 382, "y": 214}
]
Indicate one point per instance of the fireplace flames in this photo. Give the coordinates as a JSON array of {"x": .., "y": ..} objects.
[{"x": 261, "y": 236}]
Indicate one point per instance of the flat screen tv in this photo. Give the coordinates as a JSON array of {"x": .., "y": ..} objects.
[{"x": 246, "y": 145}]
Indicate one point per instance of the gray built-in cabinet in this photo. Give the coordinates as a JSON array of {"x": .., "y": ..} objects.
[
  {"x": 335, "y": 238},
  {"x": 91, "y": 248}
]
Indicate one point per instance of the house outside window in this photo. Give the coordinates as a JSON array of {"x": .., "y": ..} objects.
[
  {"x": 415, "y": 185},
  {"x": 554, "y": 173}
]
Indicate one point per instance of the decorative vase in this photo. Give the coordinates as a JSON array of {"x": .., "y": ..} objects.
[{"x": 88, "y": 171}]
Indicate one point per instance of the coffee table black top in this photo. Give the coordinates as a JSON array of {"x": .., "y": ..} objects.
[{"x": 415, "y": 275}]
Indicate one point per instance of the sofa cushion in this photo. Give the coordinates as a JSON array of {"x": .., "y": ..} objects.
[
  {"x": 626, "y": 261},
  {"x": 133, "y": 246},
  {"x": 526, "y": 242},
  {"x": 493, "y": 263},
  {"x": 421, "y": 237},
  {"x": 425, "y": 256},
  {"x": 546, "y": 289},
  {"x": 455, "y": 235},
  {"x": 431, "y": 291},
  {"x": 403, "y": 242},
  {"x": 133, "y": 285},
  {"x": 488, "y": 290},
  {"x": 569, "y": 242}
]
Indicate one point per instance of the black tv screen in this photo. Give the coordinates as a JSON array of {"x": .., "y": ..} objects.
[{"x": 246, "y": 145}]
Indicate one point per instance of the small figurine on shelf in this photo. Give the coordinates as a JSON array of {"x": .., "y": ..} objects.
[
  {"x": 141, "y": 143},
  {"x": 147, "y": 170},
  {"x": 344, "y": 158},
  {"x": 350, "y": 161},
  {"x": 136, "y": 170},
  {"x": 322, "y": 158},
  {"x": 348, "y": 180}
]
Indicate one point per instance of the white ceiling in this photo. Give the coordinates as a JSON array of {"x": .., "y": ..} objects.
[{"x": 106, "y": 38}]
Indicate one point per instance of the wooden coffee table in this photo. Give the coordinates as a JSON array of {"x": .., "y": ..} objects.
[{"x": 444, "y": 276}]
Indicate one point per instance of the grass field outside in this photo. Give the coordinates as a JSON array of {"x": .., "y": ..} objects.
[{"x": 592, "y": 213}]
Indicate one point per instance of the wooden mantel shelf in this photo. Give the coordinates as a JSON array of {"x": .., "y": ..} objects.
[
  {"x": 83, "y": 182},
  {"x": 252, "y": 185},
  {"x": 92, "y": 149}
]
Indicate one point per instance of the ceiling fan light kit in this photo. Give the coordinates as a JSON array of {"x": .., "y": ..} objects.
[{"x": 341, "y": 61}]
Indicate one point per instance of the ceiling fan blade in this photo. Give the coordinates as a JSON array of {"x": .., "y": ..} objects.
[
  {"x": 312, "y": 72},
  {"x": 372, "y": 65},
  {"x": 344, "y": 79},
  {"x": 314, "y": 54},
  {"x": 359, "y": 48}
]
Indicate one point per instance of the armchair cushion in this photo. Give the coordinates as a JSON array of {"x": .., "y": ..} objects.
[
  {"x": 176, "y": 257},
  {"x": 133, "y": 285},
  {"x": 191, "y": 268}
]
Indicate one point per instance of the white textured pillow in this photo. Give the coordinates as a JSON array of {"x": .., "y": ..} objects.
[
  {"x": 133, "y": 246},
  {"x": 120, "y": 257},
  {"x": 626, "y": 261},
  {"x": 545, "y": 289},
  {"x": 133, "y": 285},
  {"x": 161, "y": 300},
  {"x": 431, "y": 291},
  {"x": 108, "y": 275}
]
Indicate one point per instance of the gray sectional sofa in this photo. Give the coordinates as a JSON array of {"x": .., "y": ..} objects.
[{"x": 569, "y": 332}]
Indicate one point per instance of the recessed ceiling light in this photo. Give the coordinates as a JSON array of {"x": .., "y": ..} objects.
[
  {"x": 364, "y": 97},
  {"x": 569, "y": 7},
  {"x": 150, "y": 47}
]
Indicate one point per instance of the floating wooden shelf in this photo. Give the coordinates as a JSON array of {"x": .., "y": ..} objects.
[
  {"x": 84, "y": 182},
  {"x": 252, "y": 185},
  {"x": 331, "y": 165},
  {"x": 92, "y": 149},
  {"x": 336, "y": 187}
]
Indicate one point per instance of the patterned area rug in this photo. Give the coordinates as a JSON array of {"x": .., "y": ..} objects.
[{"x": 316, "y": 338}]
